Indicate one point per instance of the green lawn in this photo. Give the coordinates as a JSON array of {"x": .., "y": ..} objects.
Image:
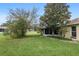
[{"x": 37, "y": 45}]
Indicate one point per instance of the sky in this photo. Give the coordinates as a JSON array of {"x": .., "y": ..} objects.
[{"x": 5, "y": 7}]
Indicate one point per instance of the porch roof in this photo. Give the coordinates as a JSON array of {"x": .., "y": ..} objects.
[
  {"x": 74, "y": 22},
  {"x": 1, "y": 27}
]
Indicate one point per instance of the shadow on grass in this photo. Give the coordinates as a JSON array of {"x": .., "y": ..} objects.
[
  {"x": 32, "y": 35},
  {"x": 36, "y": 36},
  {"x": 56, "y": 37},
  {"x": 8, "y": 37},
  {"x": 60, "y": 38}
]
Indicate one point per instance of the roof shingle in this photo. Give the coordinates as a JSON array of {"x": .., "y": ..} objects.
[{"x": 74, "y": 21}]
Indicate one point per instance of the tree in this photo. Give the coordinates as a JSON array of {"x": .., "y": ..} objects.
[
  {"x": 33, "y": 18},
  {"x": 17, "y": 23},
  {"x": 56, "y": 16}
]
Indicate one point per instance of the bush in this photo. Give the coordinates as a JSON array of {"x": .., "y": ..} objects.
[{"x": 17, "y": 23}]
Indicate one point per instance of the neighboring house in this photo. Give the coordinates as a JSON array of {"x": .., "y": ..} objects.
[
  {"x": 2, "y": 29},
  {"x": 72, "y": 30}
]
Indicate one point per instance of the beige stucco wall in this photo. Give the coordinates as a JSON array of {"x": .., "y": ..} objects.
[
  {"x": 77, "y": 33},
  {"x": 69, "y": 33}
]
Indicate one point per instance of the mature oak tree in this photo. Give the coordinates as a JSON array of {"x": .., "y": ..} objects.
[{"x": 56, "y": 16}]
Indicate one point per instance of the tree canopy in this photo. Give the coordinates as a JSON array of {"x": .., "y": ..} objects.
[
  {"x": 56, "y": 15},
  {"x": 19, "y": 21}
]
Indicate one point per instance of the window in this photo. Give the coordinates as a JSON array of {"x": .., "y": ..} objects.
[
  {"x": 48, "y": 31},
  {"x": 56, "y": 31},
  {"x": 74, "y": 32},
  {"x": 1, "y": 30}
]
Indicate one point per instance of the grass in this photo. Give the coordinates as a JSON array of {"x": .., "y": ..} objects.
[{"x": 37, "y": 45}]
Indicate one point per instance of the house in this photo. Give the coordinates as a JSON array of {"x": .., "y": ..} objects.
[
  {"x": 72, "y": 30},
  {"x": 2, "y": 29}
]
